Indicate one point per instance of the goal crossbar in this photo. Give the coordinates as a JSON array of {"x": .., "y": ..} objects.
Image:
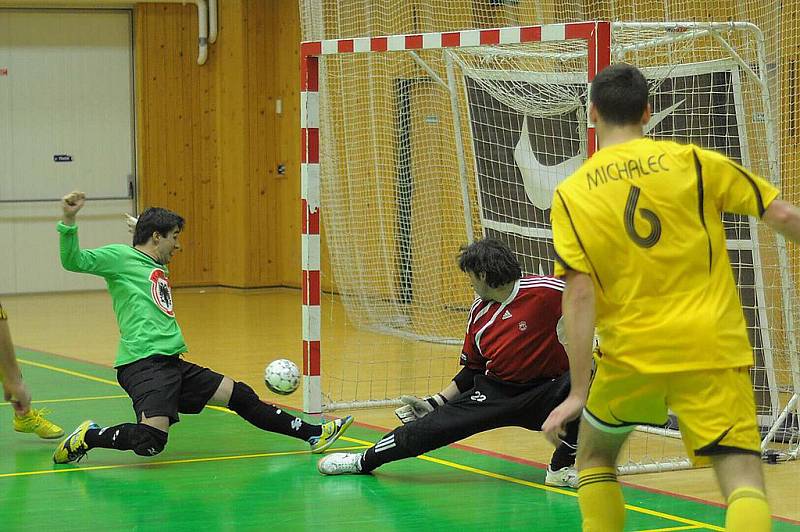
[
  {"x": 597, "y": 36},
  {"x": 597, "y": 51}
]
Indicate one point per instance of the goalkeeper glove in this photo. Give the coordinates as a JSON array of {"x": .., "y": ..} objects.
[{"x": 416, "y": 408}]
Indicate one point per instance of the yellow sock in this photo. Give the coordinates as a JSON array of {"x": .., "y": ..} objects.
[
  {"x": 748, "y": 511},
  {"x": 600, "y": 499}
]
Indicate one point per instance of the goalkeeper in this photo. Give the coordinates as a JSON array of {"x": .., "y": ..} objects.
[{"x": 515, "y": 371}]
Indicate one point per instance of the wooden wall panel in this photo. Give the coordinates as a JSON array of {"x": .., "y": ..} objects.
[
  {"x": 175, "y": 114},
  {"x": 261, "y": 133},
  {"x": 210, "y": 139},
  {"x": 286, "y": 72},
  {"x": 233, "y": 242}
]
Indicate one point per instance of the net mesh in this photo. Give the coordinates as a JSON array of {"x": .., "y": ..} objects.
[{"x": 423, "y": 151}]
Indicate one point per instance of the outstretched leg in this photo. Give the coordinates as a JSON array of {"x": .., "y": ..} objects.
[
  {"x": 241, "y": 398},
  {"x": 474, "y": 411},
  {"x": 147, "y": 438}
]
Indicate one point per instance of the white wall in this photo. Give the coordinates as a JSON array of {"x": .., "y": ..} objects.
[{"x": 67, "y": 90}]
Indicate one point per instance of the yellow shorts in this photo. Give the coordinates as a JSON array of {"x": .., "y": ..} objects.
[{"x": 715, "y": 408}]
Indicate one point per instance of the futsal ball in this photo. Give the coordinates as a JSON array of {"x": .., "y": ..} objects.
[{"x": 282, "y": 376}]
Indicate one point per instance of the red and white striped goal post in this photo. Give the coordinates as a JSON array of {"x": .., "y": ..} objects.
[{"x": 596, "y": 34}]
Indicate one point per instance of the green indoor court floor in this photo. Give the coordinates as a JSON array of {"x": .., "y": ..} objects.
[{"x": 219, "y": 473}]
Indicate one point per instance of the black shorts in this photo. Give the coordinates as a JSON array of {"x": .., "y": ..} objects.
[
  {"x": 162, "y": 385},
  {"x": 489, "y": 404}
]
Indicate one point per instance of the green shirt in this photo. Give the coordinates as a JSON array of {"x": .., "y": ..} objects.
[{"x": 140, "y": 293}]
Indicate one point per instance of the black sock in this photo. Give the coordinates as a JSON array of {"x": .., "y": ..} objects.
[
  {"x": 246, "y": 403},
  {"x": 385, "y": 451},
  {"x": 564, "y": 455},
  {"x": 142, "y": 439},
  {"x": 117, "y": 437}
]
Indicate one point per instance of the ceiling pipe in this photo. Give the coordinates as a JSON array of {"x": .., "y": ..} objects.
[
  {"x": 207, "y": 16},
  {"x": 202, "y": 31},
  {"x": 203, "y": 17},
  {"x": 212, "y": 21}
]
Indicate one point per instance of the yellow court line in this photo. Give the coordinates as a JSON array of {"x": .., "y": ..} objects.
[
  {"x": 454, "y": 465},
  {"x": 514, "y": 480},
  {"x": 68, "y": 372},
  {"x": 73, "y": 399},
  {"x": 671, "y": 529},
  {"x": 163, "y": 462}
]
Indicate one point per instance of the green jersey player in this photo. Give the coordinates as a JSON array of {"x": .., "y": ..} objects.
[{"x": 149, "y": 363}]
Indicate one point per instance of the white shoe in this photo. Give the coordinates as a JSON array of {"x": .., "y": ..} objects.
[
  {"x": 340, "y": 464},
  {"x": 564, "y": 477}
]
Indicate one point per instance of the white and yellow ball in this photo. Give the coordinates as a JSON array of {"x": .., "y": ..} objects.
[{"x": 282, "y": 376}]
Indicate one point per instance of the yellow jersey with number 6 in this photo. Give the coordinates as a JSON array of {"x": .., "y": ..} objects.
[{"x": 643, "y": 219}]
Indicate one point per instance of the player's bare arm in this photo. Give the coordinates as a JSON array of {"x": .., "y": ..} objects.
[
  {"x": 70, "y": 205},
  {"x": 578, "y": 309},
  {"x": 784, "y": 218},
  {"x": 14, "y": 389}
]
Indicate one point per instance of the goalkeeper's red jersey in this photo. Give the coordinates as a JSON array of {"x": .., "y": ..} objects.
[{"x": 516, "y": 340}]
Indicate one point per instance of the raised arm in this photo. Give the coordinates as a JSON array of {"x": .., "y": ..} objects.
[
  {"x": 784, "y": 218},
  {"x": 71, "y": 204},
  {"x": 95, "y": 261}
]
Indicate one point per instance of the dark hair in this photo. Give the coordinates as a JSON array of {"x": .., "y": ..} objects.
[
  {"x": 492, "y": 257},
  {"x": 155, "y": 219},
  {"x": 619, "y": 93}
]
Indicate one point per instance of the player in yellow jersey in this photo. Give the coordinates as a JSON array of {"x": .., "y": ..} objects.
[{"x": 639, "y": 240}]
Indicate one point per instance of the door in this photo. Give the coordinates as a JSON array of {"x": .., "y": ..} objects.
[{"x": 66, "y": 122}]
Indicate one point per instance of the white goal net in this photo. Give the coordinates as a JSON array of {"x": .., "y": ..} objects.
[{"x": 430, "y": 141}]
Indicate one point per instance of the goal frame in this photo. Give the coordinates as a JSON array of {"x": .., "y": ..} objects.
[{"x": 596, "y": 34}]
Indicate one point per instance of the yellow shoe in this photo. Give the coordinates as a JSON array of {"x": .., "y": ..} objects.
[
  {"x": 34, "y": 421},
  {"x": 73, "y": 448},
  {"x": 330, "y": 433}
]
